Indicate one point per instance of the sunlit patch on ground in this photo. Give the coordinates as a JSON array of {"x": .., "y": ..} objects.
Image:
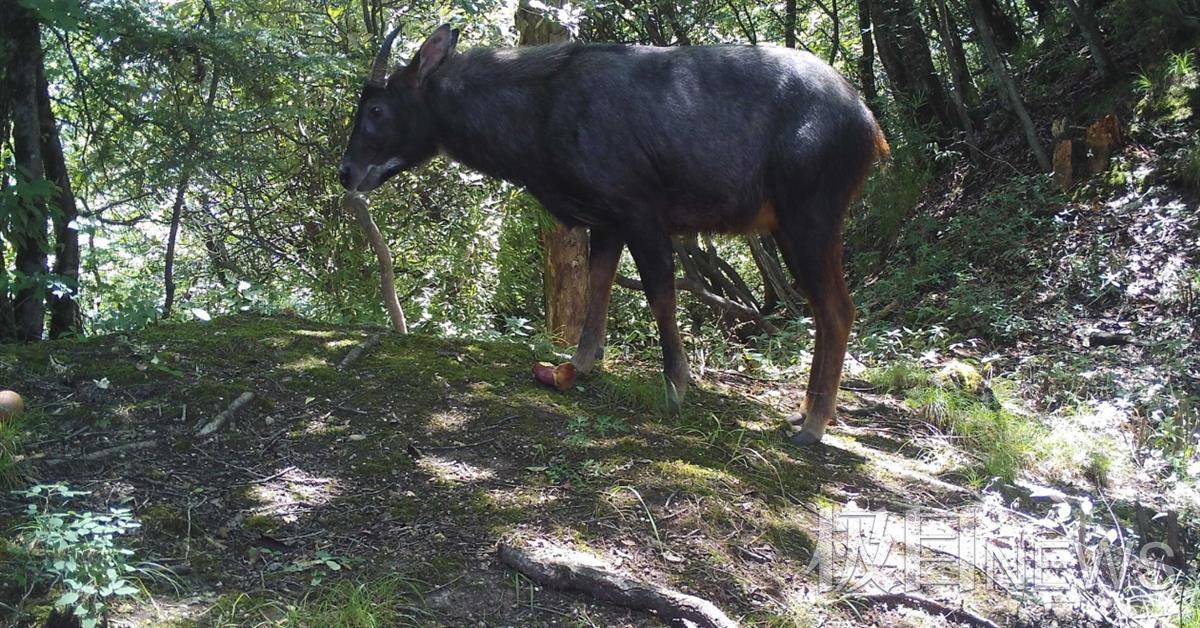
[
  {"x": 291, "y": 492},
  {"x": 454, "y": 471}
]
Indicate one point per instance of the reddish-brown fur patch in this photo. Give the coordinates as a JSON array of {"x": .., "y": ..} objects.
[{"x": 765, "y": 221}]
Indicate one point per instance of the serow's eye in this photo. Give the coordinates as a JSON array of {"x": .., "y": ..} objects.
[{"x": 375, "y": 112}]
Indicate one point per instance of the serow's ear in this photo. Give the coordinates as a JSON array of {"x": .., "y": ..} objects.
[{"x": 434, "y": 51}]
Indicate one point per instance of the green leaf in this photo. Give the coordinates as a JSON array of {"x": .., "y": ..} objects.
[{"x": 66, "y": 599}]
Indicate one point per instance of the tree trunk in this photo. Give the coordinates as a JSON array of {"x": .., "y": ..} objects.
[
  {"x": 65, "y": 319},
  {"x": 29, "y": 237},
  {"x": 789, "y": 24},
  {"x": 866, "y": 63},
  {"x": 565, "y": 275},
  {"x": 904, "y": 49},
  {"x": 185, "y": 177},
  {"x": 835, "y": 38},
  {"x": 775, "y": 279},
  {"x": 172, "y": 241},
  {"x": 1007, "y": 86},
  {"x": 1045, "y": 15},
  {"x": 8, "y": 52},
  {"x": 1090, "y": 31},
  {"x": 961, "y": 89},
  {"x": 956, "y": 56},
  {"x": 1005, "y": 32}
]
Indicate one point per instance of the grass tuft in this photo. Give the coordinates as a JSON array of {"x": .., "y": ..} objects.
[
  {"x": 898, "y": 377},
  {"x": 1003, "y": 441}
]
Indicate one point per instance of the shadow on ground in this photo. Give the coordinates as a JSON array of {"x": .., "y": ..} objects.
[{"x": 408, "y": 465}]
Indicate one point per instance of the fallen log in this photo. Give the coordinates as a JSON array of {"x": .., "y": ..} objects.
[{"x": 569, "y": 570}]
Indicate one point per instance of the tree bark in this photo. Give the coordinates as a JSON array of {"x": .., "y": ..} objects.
[
  {"x": 1007, "y": 86},
  {"x": 185, "y": 177},
  {"x": 904, "y": 50},
  {"x": 866, "y": 63},
  {"x": 835, "y": 38},
  {"x": 789, "y": 24},
  {"x": 960, "y": 70},
  {"x": 1044, "y": 11},
  {"x": 387, "y": 272},
  {"x": 1004, "y": 30},
  {"x": 65, "y": 319},
  {"x": 1090, "y": 31},
  {"x": 565, "y": 272},
  {"x": 172, "y": 240},
  {"x": 775, "y": 278},
  {"x": 29, "y": 239},
  {"x": 961, "y": 90},
  {"x": 569, "y": 570},
  {"x": 8, "y": 53}
]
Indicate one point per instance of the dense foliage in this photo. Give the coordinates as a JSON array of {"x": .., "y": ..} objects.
[{"x": 1022, "y": 295}]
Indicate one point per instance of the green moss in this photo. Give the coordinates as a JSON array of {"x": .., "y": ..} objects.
[
  {"x": 164, "y": 518},
  {"x": 264, "y": 524},
  {"x": 690, "y": 477}
]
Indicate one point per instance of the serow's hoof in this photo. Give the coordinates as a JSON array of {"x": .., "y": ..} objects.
[
  {"x": 561, "y": 377},
  {"x": 804, "y": 439}
]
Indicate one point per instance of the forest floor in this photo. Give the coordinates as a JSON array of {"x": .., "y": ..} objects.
[{"x": 381, "y": 489}]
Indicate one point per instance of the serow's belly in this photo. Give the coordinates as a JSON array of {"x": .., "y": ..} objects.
[{"x": 745, "y": 219}]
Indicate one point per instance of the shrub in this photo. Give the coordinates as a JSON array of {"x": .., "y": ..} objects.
[{"x": 77, "y": 554}]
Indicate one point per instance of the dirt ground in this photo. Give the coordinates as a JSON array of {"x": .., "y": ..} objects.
[{"x": 395, "y": 477}]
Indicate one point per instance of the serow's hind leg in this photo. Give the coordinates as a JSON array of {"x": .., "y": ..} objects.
[
  {"x": 816, "y": 263},
  {"x": 651, "y": 250}
]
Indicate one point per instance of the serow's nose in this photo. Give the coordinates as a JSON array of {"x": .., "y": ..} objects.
[{"x": 344, "y": 175}]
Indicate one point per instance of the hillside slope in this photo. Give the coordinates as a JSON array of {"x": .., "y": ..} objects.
[{"x": 385, "y": 486}]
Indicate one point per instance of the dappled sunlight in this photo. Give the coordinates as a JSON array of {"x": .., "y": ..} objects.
[
  {"x": 451, "y": 471},
  {"x": 682, "y": 475},
  {"x": 968, "y": 229},
  {"x": 516, "y": 497},
  {"x": 340, "y": 345},
  {"x": 317, "y": 333},
  {"x": 304, "y": 364},
  {"x": 280, "y": 342},
  {"x": 448, "y": 421},
  {"x": 291, "y": 492}
]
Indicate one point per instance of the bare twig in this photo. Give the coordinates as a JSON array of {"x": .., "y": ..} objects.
[
  {"x": 710, "y": 299},
  {"x": 221, "y": 419},
  {"x": 357, "y": 352},
  {"x": 106, "y": 452}
]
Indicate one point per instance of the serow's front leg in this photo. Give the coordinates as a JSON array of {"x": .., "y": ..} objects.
[{"x": 605, "y": 252}]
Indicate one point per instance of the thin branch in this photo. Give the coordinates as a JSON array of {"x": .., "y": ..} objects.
[{"x": 713, "y": 300}]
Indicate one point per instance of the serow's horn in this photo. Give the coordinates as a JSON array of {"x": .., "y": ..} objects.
[{"x": 379, "y": 68}]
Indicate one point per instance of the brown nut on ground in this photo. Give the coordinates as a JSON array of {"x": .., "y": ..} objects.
[
  {"x": 11, "y": 404},
  {"x": 561, "y": 377}
]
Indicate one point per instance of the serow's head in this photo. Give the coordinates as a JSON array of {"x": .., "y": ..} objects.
[{"x": 394, "y": 128}]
